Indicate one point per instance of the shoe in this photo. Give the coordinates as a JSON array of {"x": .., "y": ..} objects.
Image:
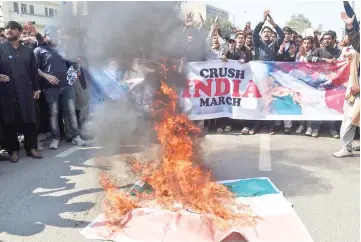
[
  {"x": 335, "y": 134},
  {"x": 219, "y": 131},
  {"x": 54, "y": 144},
  {"x": 21, "y": 138},
  {"x": 78, "y": 141},
  {"x": 288, "y": 131},
  {"x": 33, "y": 153},
  {"x": 40, "y": 146},
  {"x": 14, "y": 157},
  {"x": 357, "y": 148},
  {"x": 271, "y": 132},
  {"x": 308, "y": 131},
  {"x": 342, "y": 153},
  {"x": 300, "y": 129},
  {"x": 228, "y": 129},
  {"x": 245, "y": 130},
  {"x": 315, "y": 133},
  {"x": 42, "y": 137}
]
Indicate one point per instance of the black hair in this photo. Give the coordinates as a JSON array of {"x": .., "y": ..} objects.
[
  {"x": 2, "y": 29},
  {"x": 288, "y": 29},
  {"x": 331, "y": 33},
  {"x": 14, "y": 25},
  {"x": 266, "y": 27},
  {"x": 310, "y": 38}
]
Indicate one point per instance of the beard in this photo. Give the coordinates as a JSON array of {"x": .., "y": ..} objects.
[{"x": 13, "y": 38}]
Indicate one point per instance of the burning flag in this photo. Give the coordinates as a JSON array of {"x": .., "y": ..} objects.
[{"x": 177, "y": 179}]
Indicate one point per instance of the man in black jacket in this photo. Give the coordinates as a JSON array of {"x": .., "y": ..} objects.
[
  {"x": 287, "y": 51},
  {"x": 266, "y": 50},
  {"x": 329, "y": 54},
  {"x": 58, "y": 92}
]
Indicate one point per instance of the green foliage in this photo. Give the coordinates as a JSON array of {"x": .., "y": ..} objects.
[
  {"x": 299, "y": 23},
  {"x": 227, "y": 28}
]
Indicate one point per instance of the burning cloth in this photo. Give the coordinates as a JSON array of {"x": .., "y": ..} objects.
[{"x": 279, "y": 221}]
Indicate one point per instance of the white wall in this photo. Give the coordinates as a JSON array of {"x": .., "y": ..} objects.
[{"x": 39, "y": 13}]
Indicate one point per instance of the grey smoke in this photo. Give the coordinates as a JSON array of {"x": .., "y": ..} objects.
[{"x": 124, "y": 30}]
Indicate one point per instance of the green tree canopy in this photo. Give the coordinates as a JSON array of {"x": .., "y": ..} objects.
[{"x": 299, "y": 23}]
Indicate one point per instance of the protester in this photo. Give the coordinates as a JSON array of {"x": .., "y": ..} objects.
[
  {"x": 19, "y": 81},
  {"x": 242, "y": 54},
  {"x": 328, "y": 54},
  {"x": 53, "y": 68},
  {"x": 249, "y": 42},
  {"x": 266, "y": 50},
  {"x": 287, "y": 53},
  {"x": 352, "y": 102},
  {"x": 306, "y": 48},
  {"x": 287, "y": 50}
]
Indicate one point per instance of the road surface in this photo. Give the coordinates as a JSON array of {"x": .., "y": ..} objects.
[{"x": 54, "y": 198}]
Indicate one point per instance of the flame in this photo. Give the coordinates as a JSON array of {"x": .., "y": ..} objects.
[{"x": 178, "y": 178}]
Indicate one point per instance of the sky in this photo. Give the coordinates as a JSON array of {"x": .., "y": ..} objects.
[{"x": 326, "y": 13}]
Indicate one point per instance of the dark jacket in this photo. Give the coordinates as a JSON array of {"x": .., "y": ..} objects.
[
  {"x": 16, "y": 95},
  {"x": 328, "y": 53},
  {"x": 51, "y": 62},
  {"x": 286, "y": 55},
  {"x": 266, "y": 51},
  {"x": 239, "y": 54}
]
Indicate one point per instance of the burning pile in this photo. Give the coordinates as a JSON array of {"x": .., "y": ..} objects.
[{"x": 177, "y": 180}]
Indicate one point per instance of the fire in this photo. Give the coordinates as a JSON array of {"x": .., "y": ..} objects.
[{"x": 177, "y": 180}]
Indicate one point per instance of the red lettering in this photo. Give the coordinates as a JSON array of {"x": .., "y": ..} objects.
[
  {"x": 200, "y": 86},
  {"x": 219, "y": 91},
  {"x": 186, "y": 92},
  {"x": 252, "y": 90},
  {"x": 236, "y": 92}
]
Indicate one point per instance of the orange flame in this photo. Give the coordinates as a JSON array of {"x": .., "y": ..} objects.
[{"x": 177, "y": 179}]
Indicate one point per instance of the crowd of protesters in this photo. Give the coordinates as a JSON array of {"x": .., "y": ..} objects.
[
  {"x": 270, "y": 42},
  {"x": 40, "y": 90}
]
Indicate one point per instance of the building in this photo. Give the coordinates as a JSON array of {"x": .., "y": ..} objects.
[
  {"x": 207, "y": 11},
  {"x": 42, "y": 13}
]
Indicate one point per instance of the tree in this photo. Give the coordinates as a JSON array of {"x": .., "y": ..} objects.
[
  {"x": 299, "y": 23},
  {"x": 227, "y": 28}
]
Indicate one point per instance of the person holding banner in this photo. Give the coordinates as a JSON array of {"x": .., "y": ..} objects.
[
  {"x": 329, "y": 54},
  {"x": 241, "y": 53},
  {"x": 305, "y": 50},
  {"x": 352, "y": 100}
]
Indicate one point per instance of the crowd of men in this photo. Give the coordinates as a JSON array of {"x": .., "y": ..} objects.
[
  {"x": 40, "y": 89},
  {"x": 266, "y": 43}
]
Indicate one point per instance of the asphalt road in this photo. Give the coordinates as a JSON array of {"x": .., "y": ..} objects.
[{"x": 54, "y": 198}]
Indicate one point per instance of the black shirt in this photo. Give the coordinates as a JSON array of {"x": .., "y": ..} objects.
[
  {"x": 50, "y": 62},
  {"x": 20, "y": 65},
  {"x": 242, "y": 53},
  {"x": 16, "y": 95}
]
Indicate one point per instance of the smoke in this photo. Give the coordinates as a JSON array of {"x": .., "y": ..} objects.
[{"x": 125, "y": 30}]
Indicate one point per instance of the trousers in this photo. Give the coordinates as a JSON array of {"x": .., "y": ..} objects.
[
  {"x": 10, "y": 134},
  {"x": 347, "y": 132}
]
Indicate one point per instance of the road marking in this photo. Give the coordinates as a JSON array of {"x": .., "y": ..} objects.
[
  {"x": 67, "y": 152},
  {"x": 76, "y": 148},
  {"x": 265, "y": 161}
]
